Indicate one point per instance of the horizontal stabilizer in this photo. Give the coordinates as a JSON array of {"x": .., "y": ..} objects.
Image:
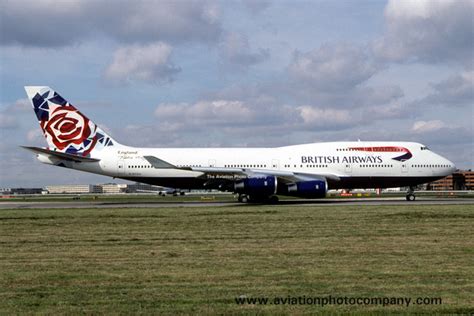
[{"x": 60, "y": 155}]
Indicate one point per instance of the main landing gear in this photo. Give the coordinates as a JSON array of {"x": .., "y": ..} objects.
[
  {"x": 244, "y": 198},
  {"x": 411, "y": 194}
]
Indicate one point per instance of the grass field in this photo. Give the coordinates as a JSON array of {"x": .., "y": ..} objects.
[{"x": 198, "y": 260}]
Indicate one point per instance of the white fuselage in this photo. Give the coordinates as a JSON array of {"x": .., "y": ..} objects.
[{"x": 355, "y": 164}]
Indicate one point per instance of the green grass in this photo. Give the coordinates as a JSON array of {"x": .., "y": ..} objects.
[{"x": 198, "y": 260}]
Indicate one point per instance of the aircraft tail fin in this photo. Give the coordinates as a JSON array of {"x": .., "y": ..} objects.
[{"x": 65, "y": 128}]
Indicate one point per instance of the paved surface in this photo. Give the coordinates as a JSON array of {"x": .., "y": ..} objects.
[{"x": 296, "y": 203}]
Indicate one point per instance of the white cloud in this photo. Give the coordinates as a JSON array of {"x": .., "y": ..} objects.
[
  {"x": 172, "y": 21},
  {"x": 446, "y": 136},
  {"x": 22, "y": 105},
  {"x": 7, "y": 121},
  {"x": 255, "y": 7},
  {"x": 35, "y": 136},
  {"x": 318, "y": 117},
  {"x": 390, "y": 111},
  {"x": 428, "y": 31},
  {"x": 337, "y": 75},
  {"x": 239, "y": 117},
  {"x": 148, "y": 63},
  {"x": 11, "y": 114},
  {"x": 44, "y": 23},
  {"x": 218, "y": 112},
  {"x": 235, "y": 49},
  {"x": 457, "y": 90},
  {"x": 333, "y": 67},
  {"x": 376, "y": 95},
  {"x": 427, "y": 126}
]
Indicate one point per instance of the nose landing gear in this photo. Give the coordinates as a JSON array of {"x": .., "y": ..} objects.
[{"x": 411, "y": 194}]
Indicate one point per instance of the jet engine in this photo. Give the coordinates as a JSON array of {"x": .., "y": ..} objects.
[
  {"x": 257, "y": 187},
  {"x": 308, "y": 189}
]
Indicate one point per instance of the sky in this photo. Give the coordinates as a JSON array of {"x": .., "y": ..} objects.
[{"x": 239, "y": 73}]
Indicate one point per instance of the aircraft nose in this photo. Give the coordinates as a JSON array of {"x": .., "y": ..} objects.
[
  {"x": 451, "y": 165},
  {"x": 448, "y": 165}
]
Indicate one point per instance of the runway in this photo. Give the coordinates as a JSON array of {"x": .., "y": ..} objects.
[{"x": 295, "y": 203}]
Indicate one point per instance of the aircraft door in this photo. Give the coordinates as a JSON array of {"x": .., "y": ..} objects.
[
  {"x": 276, "y": 164},
  {"x": 212, "y": 163},
  {"x": 120, "y": 167},
  {"x": 404, "y": 168},
  {"x": 348, "y": 168}
]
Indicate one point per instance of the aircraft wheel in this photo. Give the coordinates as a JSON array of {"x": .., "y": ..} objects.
[
  {"x": 273, "y": 199},
  {"x": 243, "y": 198},
  {"x": 410, "y": 197}
]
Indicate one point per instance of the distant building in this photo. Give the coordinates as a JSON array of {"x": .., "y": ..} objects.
[
  {"x": 74, "y": 189},
  {"x": 461, "y": 180},
  {"x": 143, "y": 188},
  {"x": 111, "y": 188},
  {"x": 106, "y": 188},
  {"x": 13, "y": 191}
]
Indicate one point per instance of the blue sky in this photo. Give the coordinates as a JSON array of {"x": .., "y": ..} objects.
[{"x": 239, "y": 73}]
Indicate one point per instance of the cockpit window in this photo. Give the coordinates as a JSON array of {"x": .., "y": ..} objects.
[{"x": 424, "y": 148}]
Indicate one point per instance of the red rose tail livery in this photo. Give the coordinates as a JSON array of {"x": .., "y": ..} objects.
[
  {"x": 255, "y": 174},
  {"x": 66, "y": 129}
]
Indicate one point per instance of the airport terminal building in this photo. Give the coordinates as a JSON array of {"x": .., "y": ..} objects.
[
  {"x": 107, "y": 188},
  {"x": 74, "y": 189}
]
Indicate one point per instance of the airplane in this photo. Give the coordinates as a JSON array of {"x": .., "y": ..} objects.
[{"x": 255, "y": 174}]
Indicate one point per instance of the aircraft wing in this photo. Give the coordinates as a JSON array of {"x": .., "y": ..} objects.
[
  {"x": 158, "y": 163},
  {"x": 219, "y": 175},
  {"x": 60, "y": 155},
  {"x": 283, "y": 176}
]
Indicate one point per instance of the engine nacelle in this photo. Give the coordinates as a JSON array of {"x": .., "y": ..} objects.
[
  {"x": 264, "y": 186},
  {"x": 308, "y": 189}
]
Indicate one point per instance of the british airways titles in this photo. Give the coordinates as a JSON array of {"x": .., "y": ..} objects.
[{"x": 339, "y": 159}]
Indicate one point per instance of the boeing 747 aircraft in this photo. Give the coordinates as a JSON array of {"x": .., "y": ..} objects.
[{"x": 256, "y": 174}]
